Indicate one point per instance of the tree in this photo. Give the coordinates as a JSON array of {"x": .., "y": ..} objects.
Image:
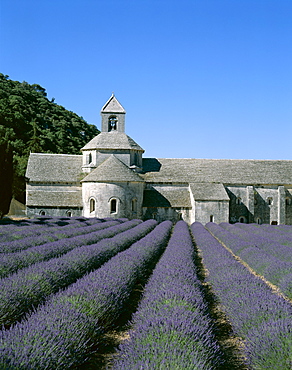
[
  {"x": 6, "y": 177},
  {"x": 30, "y": 122}
]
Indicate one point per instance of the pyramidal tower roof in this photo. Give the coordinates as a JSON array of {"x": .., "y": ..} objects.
[
  {"x": 112, "y": 140},
  {"x": 113, "y": 106},
  {"x": 112, "y": 170}
]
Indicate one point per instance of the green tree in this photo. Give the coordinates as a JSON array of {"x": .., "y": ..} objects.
[
  {"x": 29, "y": 122},
  {"x": 6, "y": 170}
]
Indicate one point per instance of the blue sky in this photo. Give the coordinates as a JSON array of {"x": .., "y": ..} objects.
[{"x": 198, "y": 78}]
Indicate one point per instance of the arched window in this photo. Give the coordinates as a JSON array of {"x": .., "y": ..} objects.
[
  {"x": 88, "y": 158},
  {"x": 288, "y": 201},
  {"x": 134, "y": 205},
  {"x": 113, "y": 206},
  {"x": 42, "y": 213},
  {"x": 112, "y": 123},
  {"x": 238, "y": 200},
  {"x": 259, "y": 221},
  {"x": 211, "y": 218},
  {"x": 69, "y": 213},
  {"x": 270, "y": 201},
  {"x": 242, "y": 220},
  {"x": 92, "y": 205}
]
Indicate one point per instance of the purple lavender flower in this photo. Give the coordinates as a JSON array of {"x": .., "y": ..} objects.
[
  {"x": 254, "y": 310},
  {"x": 60, "y": 333},
  {"x": 172, "y": 328}
]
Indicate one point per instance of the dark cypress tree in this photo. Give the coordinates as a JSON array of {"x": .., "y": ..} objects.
[{"x": 6, "y": 177}]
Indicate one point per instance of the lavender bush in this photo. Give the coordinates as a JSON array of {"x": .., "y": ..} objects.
[
  {"x": 269, "y": 259},
  {"x": 11, "y": 262},
  {"x": 54, "y": 233},
  {"x": 59, "y": 334},
  {"x": 172, "y": 328},
  {"x": 280, "y": 234},
  {"x": 261, "y": 317},
  {"x": 275, "y": 246},
  {"x": 30, "y": 286}
]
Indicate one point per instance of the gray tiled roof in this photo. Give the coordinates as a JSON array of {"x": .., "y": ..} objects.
[
  {"x": 167, "y": 197},
  {"x": 226, "y": 171},
  {"x": 43, "y": 167},
  {"x": 112, "y": 140},
  {"x": 112, "y": 170},
  {"x": 54, "y": 198},
  {"x": 208, "y": 191}
]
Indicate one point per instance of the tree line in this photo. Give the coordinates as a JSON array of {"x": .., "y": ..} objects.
[{"x": 30, "y": 122}]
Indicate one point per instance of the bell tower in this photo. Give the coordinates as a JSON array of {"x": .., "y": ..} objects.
[{"x": 112, "y": 116}]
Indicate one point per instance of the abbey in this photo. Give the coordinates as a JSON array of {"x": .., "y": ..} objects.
[{"x": 112, "y": 179}]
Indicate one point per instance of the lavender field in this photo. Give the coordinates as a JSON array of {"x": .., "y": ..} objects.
[{"x": 81, "y": 293}]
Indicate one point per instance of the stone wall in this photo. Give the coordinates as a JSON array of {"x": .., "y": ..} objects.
[
  {"x": 209, "y": 210},
  {"x": 288, "y": 211},
  {"x": 240, "y": 203},
  {"x": 173, "y": 214},
  {"x": 53, "y": 211},
  {"x": 103, "y": 193}
]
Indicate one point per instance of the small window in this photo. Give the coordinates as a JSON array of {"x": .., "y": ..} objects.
[
  {"x": 288, "y": 201},
  {"x": 69, "y": 213},
  {"x": 259, "y": 221},
  {"x": 42, "y": 213},
  {"x": 242, "y": 220},
  {"x": 211, "y": 218},
  {"x": 113, "y": 206},
  {"x": 238, "y": 200},
  {"x": 88, "y": 158},
  {"x": 134, "y": 205},
  {"x": 92, "y": 205},
  {"x": 270, "y": 201}
]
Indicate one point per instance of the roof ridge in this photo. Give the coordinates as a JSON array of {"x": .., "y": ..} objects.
[{"x": 57, "y": 154}]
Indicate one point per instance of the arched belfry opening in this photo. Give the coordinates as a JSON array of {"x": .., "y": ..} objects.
[{"x": 112, "y": 123}]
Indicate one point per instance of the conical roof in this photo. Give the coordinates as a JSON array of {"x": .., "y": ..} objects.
[
  {"x": 112, "y": 140},
  {"x": 113, "y": 106},
  {"x": 112, "y": 170}
]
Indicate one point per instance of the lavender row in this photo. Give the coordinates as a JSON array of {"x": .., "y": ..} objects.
[
  {"x": 30, "y": 286},
  {"x": 62, "y": 331},
  {"x": 32, "y": 227},
  {"x": 279, "y": 228},
  {"x": 260, "y": 256},
  {"x": 258, "y": 315},
  {"x": 172, "y": 328},
  {"x": 268, "y": 233},
  {"x": 11, "y": 262},
  {"x": 54, "y": 233}
]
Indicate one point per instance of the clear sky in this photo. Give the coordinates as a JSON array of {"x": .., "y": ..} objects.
[{"x": 198, "y": 78}]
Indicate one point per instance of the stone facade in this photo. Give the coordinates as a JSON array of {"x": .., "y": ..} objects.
[{"x": 112, "y": 179}]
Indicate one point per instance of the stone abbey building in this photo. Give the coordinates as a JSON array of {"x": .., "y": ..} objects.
[{"x": 112, "y": 179}]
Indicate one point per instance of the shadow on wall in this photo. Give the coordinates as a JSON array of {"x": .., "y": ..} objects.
[
  {"x": 152, "y": 198},
  {"x": 262, "y": 209},
  {"x": 151, "y": 165},
  {"x": 238, "y": 211}
]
